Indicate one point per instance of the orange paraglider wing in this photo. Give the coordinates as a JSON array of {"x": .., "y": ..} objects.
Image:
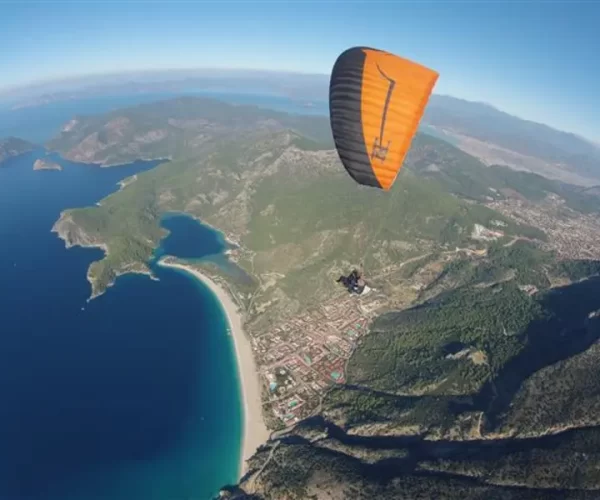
[{"x": 376, "y": 101}]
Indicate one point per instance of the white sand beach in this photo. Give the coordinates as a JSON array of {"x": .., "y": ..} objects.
[{"x": 255, "y": 431}]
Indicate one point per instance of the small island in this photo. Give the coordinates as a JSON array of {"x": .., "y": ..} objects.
[{"x": 46, "y": 165}]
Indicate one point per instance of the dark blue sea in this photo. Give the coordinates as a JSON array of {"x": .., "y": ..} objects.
[{"x": 134, "y": 395}]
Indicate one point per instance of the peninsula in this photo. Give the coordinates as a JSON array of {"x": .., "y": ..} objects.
[
  {"x": 480, "y": 327},
  {"x": 41, "y": 164},
  {"x": 13, "y": 146},
  {"x": 74, "y": 235}
]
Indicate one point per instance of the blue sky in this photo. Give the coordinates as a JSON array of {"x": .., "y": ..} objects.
[{"x": 535, "y": 59}]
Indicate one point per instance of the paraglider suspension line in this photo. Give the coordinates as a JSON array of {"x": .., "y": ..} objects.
[
  {"x": 389, "y": 208},
  {"x": 378, "y": 150}
]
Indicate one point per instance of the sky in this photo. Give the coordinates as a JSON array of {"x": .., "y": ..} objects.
[{"x": 535, "y": 59}]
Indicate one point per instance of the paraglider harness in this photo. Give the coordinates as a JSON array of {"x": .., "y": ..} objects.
[{"x": 353, "y": 282}]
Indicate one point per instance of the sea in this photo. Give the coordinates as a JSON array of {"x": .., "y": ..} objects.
[
  {"x": 40, "y": 123},
  {"x": 134, "y": 395}
]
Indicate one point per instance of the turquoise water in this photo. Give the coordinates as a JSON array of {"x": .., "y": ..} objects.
[
  {"x": 131, "y": 396},
  {"x": 134, "y": 395},
  {"x": 183, "y": 239}
]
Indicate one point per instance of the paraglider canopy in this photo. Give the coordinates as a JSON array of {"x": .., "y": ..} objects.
[{"x": 376, "y": 101}]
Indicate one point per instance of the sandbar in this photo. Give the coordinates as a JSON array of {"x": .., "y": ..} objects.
[{"x": 255, "y": 432}]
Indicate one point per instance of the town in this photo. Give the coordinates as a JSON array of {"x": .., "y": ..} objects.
[
  {"x": 303, "y": 356},
  {"x": 571, "y": 234}
]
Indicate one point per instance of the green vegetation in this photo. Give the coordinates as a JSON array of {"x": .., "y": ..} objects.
[
  {"x": 558, "y": 396},
  {"x": 277, "y": 192},
  {"x": 485, "y": 315},
  {"x": 576, "y": 270},
  {"x": 291, "y": 202},
  {"x": 407, "y": 468},
  {"x": 13, "y": 146},
  {"x": 128, "y": 221},
  {"x": 438, "y": 440},
  {"x": 407, "y": 351},
  {"x": 457, "y": 341},
  {"x": 351, "y": 406},
  {"x": 564, "y": 461},
  {"x": 558, "y": 367},
  {"x": 415, "y": 208},
  {"x": 522, "y": 261},
  {"x": 176, "y": 128}
]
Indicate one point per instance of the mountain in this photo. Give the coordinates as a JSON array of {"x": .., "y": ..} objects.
[
  {"x": 468, "y": 370},
  {"x": 530, "y": 431},
  {"x": 489, "y": 125},
  {"x": 174, "y": 128},
  {"x": 213, "y": 144},
  {"x": 480, "y": 129},
  {"x": 13, "y": 146}
]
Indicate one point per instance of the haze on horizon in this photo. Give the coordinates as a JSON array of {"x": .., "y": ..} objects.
[{"x": 535, "y": 60}]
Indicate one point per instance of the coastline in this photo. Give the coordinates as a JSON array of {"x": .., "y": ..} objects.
[
  {"x": 74, "y": 236},
  {"x": 255, "y": 432}
]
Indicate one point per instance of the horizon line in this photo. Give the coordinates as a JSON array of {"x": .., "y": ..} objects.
[
  {"x": 5, "y": 92},
  {"x": 57, "y": 80}
]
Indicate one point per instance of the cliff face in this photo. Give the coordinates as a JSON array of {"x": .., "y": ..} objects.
[
  {"x": 74, "y": 235},
  {"x": 318, "y": 460}
]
